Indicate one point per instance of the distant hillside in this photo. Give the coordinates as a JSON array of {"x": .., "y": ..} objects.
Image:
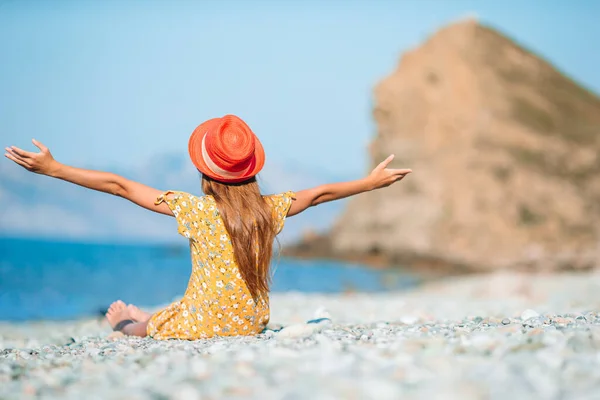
[
  {"x": 505, "y": 152},
  {"x": 34, "y": 205}
]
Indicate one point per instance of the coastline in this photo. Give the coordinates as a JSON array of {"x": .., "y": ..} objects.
[{"x": 428, "y": 268}]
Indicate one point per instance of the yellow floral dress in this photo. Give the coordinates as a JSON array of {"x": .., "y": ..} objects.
[{"x": 217, "y": 301}]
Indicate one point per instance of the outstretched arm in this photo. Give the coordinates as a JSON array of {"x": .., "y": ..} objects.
[
  {"x": 43, "y": 163},
  {"x": 379, "y": 178}
]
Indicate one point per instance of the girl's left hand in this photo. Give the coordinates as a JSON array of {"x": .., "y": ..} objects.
[
  {"x": 382, "y": 176},
  {"x": 40, "y": 163}
]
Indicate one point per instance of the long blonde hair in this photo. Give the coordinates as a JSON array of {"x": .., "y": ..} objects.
[{"x": 249, "y": 221}]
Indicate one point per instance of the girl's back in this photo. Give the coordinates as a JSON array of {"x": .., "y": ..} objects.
[{"x": 217, "y": 300}]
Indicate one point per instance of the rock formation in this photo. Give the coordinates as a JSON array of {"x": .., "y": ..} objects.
[{"x": 505, "y": 154}]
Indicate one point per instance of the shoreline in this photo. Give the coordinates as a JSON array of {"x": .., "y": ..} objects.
[
  {"x": 506, "y": 289},
  {"x": 429, "y": 267},
  {"x": 499, "y": 286},
  {"x": 319, "y": 246}
]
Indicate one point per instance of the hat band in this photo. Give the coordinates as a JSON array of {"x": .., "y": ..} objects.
[{"x": 215, "y": 168}]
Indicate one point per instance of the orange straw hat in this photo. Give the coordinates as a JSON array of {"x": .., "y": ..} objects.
[{"x": 226, "y": 150}]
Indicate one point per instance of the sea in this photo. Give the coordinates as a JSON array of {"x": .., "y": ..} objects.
[{"x": 44, "y": 279}]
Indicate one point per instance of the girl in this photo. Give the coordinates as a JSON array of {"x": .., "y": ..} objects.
[{"x": 231, "y": 229}]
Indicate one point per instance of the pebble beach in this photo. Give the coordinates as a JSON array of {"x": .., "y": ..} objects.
[{"x": 497, "y": 336}]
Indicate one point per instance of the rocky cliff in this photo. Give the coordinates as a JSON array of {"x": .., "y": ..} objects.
[{"x": 505, "y": 154}]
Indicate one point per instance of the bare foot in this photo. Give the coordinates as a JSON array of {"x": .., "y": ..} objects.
[
  {"x": 117, "y": 312},
  {"x": 137, "y": 314}
]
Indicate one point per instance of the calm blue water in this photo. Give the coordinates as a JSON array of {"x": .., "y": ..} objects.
[{"x": 42, "y": 279}]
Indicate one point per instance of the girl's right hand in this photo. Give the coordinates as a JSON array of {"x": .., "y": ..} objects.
[
  {"x": 40, "y": 163},
  {"x": 383, "y": 176},
  {"x": 43, "y": 163}
]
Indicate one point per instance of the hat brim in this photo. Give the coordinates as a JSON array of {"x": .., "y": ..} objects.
[{"x": 195, "y": 151}]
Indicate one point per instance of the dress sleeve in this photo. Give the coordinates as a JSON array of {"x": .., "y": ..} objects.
[
  {"x": 281, "y": 205},
  {"x": 185, "y": 209}
]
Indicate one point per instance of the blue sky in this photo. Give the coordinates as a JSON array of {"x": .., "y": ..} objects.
[{"x": 113, "y": 83}]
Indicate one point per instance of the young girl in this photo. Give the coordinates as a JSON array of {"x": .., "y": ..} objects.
[{"x": 231, "y": 229}]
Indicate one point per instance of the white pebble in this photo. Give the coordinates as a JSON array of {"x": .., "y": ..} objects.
[
  {"x": 297, "y": 331},
  {"x": 185, "y": 392},
  {"x": 322, "y": 312},
  {"x": 528, "y": 314},
  {"x": 409, "y": 319}
]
